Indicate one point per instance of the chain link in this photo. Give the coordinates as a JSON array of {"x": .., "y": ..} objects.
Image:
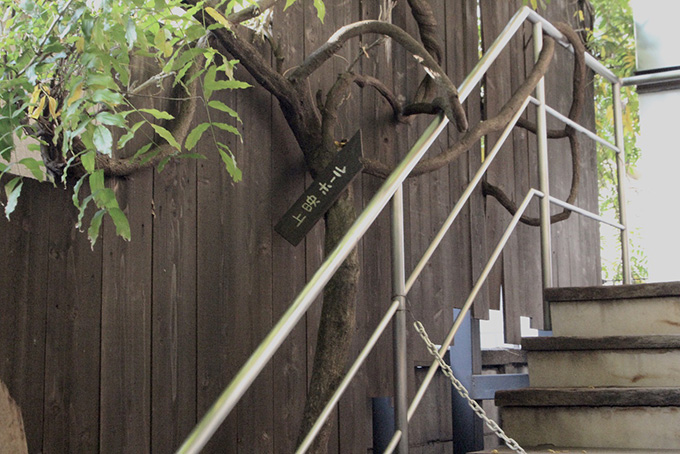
[{"x": 479, "y": 411}]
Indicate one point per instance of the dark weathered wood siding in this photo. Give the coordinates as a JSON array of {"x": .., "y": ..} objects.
[{"x": 120, "y": 348}]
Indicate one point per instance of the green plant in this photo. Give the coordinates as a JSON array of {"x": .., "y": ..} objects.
[
  {"x": 612, "y": 40},
  {"x": 65, "y": 80}
]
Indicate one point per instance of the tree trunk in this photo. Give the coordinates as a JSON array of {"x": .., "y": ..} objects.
[{"x": 336, "y": 327}]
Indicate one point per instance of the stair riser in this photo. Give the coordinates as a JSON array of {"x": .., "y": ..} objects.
[
  {"x": 625, "y": 368},
  {"x": 594, "y": 427},
  {"x": 636, "y": 317}
]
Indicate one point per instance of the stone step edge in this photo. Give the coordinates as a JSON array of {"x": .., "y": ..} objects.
[
  {"x": 646, "y": 342},
  {"x": 590, "y": 397},
  {"x": 613, "y": 292},
  {"x": 550, "y": 449}
]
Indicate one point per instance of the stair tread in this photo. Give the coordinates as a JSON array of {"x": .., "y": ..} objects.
[
  {"x": 590, "y": 397},
  {"x": 661, "y": 341},
  {"x": 559, "y": 450},
  {"x": 652, "y": 290}
]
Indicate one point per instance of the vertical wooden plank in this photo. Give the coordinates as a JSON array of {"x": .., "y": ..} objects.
[
  {"x": 254, "y": 290},
  {"x": 432, "y": 425},
  {"x": 288, "y": 177},
  {"x": 173, "y": 348},
  {"x": 461, "y": 53},
  {"x": 234, "y": 266},
  {"x": 498, "y": 90},
  {"x": 73, "y": 333},
  {"x": 519, "y": 277},
  {"x": 216, "y": 343},
  {"x": 23, "y": 296},
  {"x": 589, "y": 269},
  {"x": 380, "y": 143},
  {"x": 126, "y": 328},
  {"x": 125, "y": 413}
]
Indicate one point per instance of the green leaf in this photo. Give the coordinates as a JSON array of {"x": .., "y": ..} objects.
[
  {"x": 107, "y": 118},
  {"x": 187, "y": 56},
  {"x": 227, "y": 127},
  {"x": 288, "y": 3},
  {"x": 218, "y": 16},
  {"x": 209, "y": 82},
  {"x": 229, "y": 84},
  {"x": 95, "y": 225},
  {"x": 230, "y": 163},
  {"x": 121, "y": 223},
  {"x": 158, "y": 114},
  {"x": 102, "y": 139},
  {"x": 87, "y": 160},
  {"x": 320, "y": 9},
  {"x": 167, "y": 135},
  {"x": 161, "y": 165},
  {"x": 107, "y": 96},
  {"x": 219, "y": 105},
  {"x": 142, "y": 150},
  {"x": 12, "y": 191},
  {"x": 34, "y": 166},
  {"x": 105, "y": 198},
  {"x": 194, "y": 136},
  {"x": 97, "y": 81},
  {"x": 76, "y": 190},
  {"x": 6, "y": 137},
  {"x": 125, "y": 138},
  {"x": 192, "y": 156},
  {"x": 96, "y": 181}
]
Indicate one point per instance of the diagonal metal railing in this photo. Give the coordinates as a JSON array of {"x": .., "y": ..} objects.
[{"x": 392, "y": 190}]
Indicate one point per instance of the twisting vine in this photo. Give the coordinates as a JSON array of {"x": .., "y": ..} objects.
[{"x": 578, "y": 95}]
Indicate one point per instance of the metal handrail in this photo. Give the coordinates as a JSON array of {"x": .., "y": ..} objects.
[
  {"x": 393, "y": 184},
  {"x": 652, "y": 78}
]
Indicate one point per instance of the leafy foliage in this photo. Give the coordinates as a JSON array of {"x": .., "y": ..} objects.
[
  {"x": 613, "y": 42},
  {"x": 65, "y": 74}
]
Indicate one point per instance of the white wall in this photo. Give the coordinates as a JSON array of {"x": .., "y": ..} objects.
[{"x": 654, "y": 201}]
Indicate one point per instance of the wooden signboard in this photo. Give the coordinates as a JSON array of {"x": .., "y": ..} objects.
[{"x": 319, "y": 197}]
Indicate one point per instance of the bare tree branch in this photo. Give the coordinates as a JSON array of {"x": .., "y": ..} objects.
[
  {"x": 338, "y": 39},
  {"x": 427, "y": 27},
  {"x": 369, "y": 81},
  {"x": 485, "y": 127},
  {"x": 251, "y": 11},
  {"x": 578, "y": 97}
]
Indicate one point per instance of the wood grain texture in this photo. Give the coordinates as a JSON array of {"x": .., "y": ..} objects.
[
  {"x": 124, "y": 347},
  {"x": 173, "y": 354},
  {"x": 660, "y": 341},
  {"x": 289, "y": 274},
  {"x": 125, "y": 411},
  {"x": 593, "y": 397},
  {"x": 23, "y": 302},
  {"x": 633, "y": 291},
  {"x": 72, "y": 352}
]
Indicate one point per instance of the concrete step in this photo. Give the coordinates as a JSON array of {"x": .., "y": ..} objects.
[
  {"x": 622, "y": 310},
  {"x": 607, "y": 418},
  {"x": 566, "y": 450},
  {"x": 638, "y": 361}
]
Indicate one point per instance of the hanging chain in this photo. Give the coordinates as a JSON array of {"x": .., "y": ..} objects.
[{"x": 446, "y": 369}]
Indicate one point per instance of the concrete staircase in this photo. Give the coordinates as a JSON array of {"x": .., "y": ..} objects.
[{"x": 608, "y": 381}]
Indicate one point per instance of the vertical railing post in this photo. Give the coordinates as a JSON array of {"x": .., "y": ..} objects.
[
  {"x": 621, "y": 181},
  {"x": 543, "y": 177},
  {"x": 399, "y": 290}
]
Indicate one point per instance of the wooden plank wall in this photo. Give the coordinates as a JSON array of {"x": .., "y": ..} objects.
[
  {"x": 121, "y": 348},
  {"x": 514, "y": 171}
]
